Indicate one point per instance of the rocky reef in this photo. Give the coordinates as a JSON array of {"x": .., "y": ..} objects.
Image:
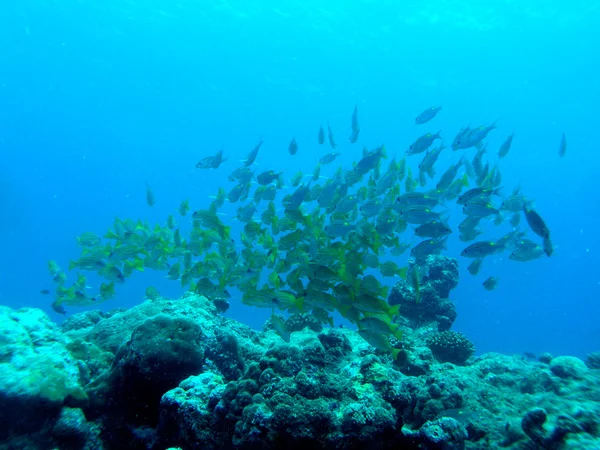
[{"x": 177, "y": 374}]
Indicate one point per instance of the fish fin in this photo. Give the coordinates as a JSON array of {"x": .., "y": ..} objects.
[
  {"x": 398, "y": 334},
  {"x": 465, "y": 180},
  {"x": 403, "y": 272},
  {"x": 394, "y": 310},
  {"x": 299, "y": 304},
  {"x": 383, "y": 151}
]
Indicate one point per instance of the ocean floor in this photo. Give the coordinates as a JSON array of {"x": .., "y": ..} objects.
[{"x": 177, "y": 374}]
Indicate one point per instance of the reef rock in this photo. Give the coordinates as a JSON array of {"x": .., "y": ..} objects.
[
  {"x": 439, "y": 275},
  {"x": 38, "y": 378},
  {"x": 176, "y": 374}
]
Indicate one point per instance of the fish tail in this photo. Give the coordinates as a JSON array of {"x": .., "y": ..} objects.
[{"x": 394, "y": 310}]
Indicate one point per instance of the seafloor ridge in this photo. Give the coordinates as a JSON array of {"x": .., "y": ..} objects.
[{"x": 176, "y": 373}]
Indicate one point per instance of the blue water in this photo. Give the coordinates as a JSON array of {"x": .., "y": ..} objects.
[{"x": 99, "y": 97}]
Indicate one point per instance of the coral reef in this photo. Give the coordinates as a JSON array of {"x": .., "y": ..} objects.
[
  {"x": 440, "y": 276},
  {"x": 450, "y": 346},
  {"x": 175, "y": 373}
]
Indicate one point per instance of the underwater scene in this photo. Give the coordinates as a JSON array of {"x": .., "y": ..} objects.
[{"x": 305, "y": 225}]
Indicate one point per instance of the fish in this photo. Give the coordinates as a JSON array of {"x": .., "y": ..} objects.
[
  {"x": 511, "y": 239},
  {"x": 505, "y": 147},
  {"x": 386, "y": 222},
  {"x": 385, "y": 182},
  {"x": 174, "y": 271},
  {"x": 470, "y": 170},
  {"x": 210, "y": 219},
  {"x": 329, "y": 158},
  {"x": 563, "y": 146},
  {"x": 473, "y": 137},
  {"x": 53, "y": 267},
  {"x": 245, "y": 213},
  {"x": 339, "y": 229},
  {"x": 449, "y": 175},
  {"x": 107, "y": 290},
  {"x": 355, "y": 126},
  {"x": 476, "y": 192},
  {"x": 113, "y": 273},
  {"x": 391, "y": 269},
  {"x": 270, "y": 192},
  {"x": 298, "y": 197},
  {"x": 271, "y": 298},
  {"x": 372, "y": 302},
  {"x": 490, "y": 283},
  {"x": 456, "y": 187},
  {"x": 280, "y": 328},
  {"x": 150, "y": 196},
  {"x": 525, "y": 244},
  {"x": 469, "y": 235},
  {"x": 171, "y": 222},
  {"x": 330, "y": 245},
  {"x": 219, "y": 199},
  {"x": 477, "y": 162},
  {"x": 211, "y": 162},
  {"x": 479, "y": 207},
  {"x": 328, "y": 193},
  {"x": 427, "y": 115},
  {"x": 184, "y": 207},
  {"x": 293, "y": 147},
  {"x": 253, "y": 154},
  {"x": 370, "y": 160},
  {"x": 242, "y": 175},
  {"x": 423, "y": 143},
  {"x": 88, "y": 239},
  {"x": 401, "y": 169},
  {"x": 379, "y": 341},
  {"x": 44, "y": 292},
  {"x": 548, "y": 247},
  {"x": 354, "y": 136},
  {"x": 524, "y": 255},
  {"x": 536, "y": 223},
  {"x": 416, "y": 199},
  {"x": 236, "y": 192},
  {"x": 417, "y": 214},
  {"x": 433, "y": 229},
  {"x": 475, "y": 266},
  {"x": 89, "y": 261},
  {"x": 321, "y": 136},
  {"x": 515, "y": 202},
  {"x": 383, "y": 326},
  {"x": 152, "y": 293},
  {"x": 429, "y": 247},
  {"x": 481, "y": 249},
  {"x": 429, "y": 160},
  {"x": 267, "y": 177},
  {"x": 459, "y": 137},
  {"x": 346, "y": 204},
  {"x": 354, "y": 123},
  {"x": 371, "y": 208},
  {"x": 331, "y": 137}
]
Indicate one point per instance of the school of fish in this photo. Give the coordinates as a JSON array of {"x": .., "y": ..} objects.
[{"x": 317, "y": 245}]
